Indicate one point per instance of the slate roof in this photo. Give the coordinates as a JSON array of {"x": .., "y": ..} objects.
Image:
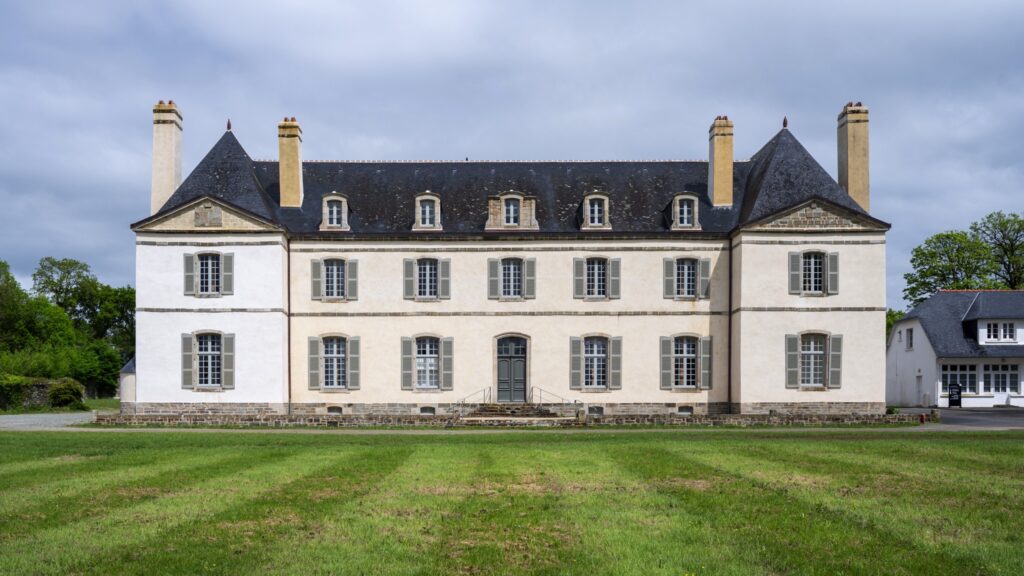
[
  {"x": 381, "y": 195},
  {"x": 129, "y": 368},
  {"x": 949, "y": 319}
]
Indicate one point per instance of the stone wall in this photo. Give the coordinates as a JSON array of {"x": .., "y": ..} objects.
[
  {"x": 805, "y": 408},
  {"x": 175, "y": 409}
]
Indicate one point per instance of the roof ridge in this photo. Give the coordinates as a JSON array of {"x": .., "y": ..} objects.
[{"x": 493, "y": 161}]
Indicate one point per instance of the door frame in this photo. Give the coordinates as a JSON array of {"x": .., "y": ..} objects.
[{"x": 494, "y": 362}]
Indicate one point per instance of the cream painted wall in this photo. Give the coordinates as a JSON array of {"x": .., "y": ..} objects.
[{"x": 904, "y": 365}]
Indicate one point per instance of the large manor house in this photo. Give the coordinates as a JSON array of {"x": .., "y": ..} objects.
[{"x": 616, "y": 287}]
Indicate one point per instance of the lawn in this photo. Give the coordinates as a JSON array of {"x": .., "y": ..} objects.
[{"x": 656, "y": 502}]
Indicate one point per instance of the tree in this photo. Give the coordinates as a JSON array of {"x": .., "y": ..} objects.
[
  {"x": 891, "y": 318},
  {"x": 1004, "y": 235},
  {"x": 61, "y": 281},
  {"x": 949, "y": 261}
]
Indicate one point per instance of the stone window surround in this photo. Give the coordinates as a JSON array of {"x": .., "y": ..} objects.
[
  {"x": 323, "y": 282},
  {"x": 687, "y": 389},
  {"x": 348, "y": 352},
  {"x": 585, "y": 224},
  {"x": 527, "y": 212},
  {"x": 440, "y": 364},
  {"x": 438, "y": 224},
  {"x": 334, "y": 197},
  {"x": 196, "y": 268},
  {"x": 608, "y": 363},
  {"x": 824, "y": 274},
  {"x": 675, "y": 211}
]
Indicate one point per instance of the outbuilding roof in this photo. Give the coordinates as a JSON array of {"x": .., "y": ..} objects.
[{"x": 950, "y": 318}]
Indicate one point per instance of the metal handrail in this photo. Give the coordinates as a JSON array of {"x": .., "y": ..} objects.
[
  {"x": 541, "y": 392},
  {"x": 485, "y": 398}
]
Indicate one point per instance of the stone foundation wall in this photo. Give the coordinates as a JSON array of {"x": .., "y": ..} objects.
[
  {"x": 807, "y": 408},
  {"x": 201, "y": 408}
]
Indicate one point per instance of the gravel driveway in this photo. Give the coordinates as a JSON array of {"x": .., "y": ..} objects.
[{"x": 33, "y": 421}]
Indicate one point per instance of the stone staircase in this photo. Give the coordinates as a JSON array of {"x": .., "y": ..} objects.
[{"x": 500, "y": 415}]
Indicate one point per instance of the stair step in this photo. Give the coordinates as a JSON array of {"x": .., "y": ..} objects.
[{"x": 512, "y": 421}]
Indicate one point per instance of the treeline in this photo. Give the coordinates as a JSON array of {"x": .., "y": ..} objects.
[{"x": 70, "y": 326}]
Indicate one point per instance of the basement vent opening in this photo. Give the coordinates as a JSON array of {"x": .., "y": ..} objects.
[
  {"x": 335, "y": 410},
  {"x": 427, "y": 410},
  {"x": 595, "y": 410},
  {"x": 685, "y": 410}
]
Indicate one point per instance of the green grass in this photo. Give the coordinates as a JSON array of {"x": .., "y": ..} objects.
[
  {"x": 659, "y": 502},
  {"x": 109, "y": 404}
]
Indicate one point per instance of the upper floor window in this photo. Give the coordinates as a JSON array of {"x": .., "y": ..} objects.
[
  {"x": 428, "y": 213},
  {"x": 686, "y": 278},
  {"x": 427, "y": 363},
  {"x": 684, "y": 362},
  {"x": 334, "y": 279},
  {"x": 597, "y": 278},
  {"x": 512, "y": 211},
  {"x": 511, "y": 278},
  {"x": 208, "y": 361},
  {"x": 812, "y": 360},
  {"x": 910, "y": 338},
  {"x": 595, "y": 212},
  {"x": 686, "y": 212},
  {"x": 1001, "y": 332},
  {"x": 335, "y": 212},
  {"x": 426, "y": 278},
  {"x": 595, "y": 362},
  {"x": 209, "y": 274},
  {"x": 813, "y": 273},
  {"x": 335, "y": 362}
]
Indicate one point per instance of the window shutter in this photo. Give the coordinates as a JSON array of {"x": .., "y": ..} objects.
[
  {"x": 493, "y": 278},
  {"x": 833, "y": 273},
  {"x": 407, "y": 345},
  {"x": 835, "y": 361},
  {"x": 666, "y": 363},
  {"x": 227, "y": 362},
  {"x": 353, "y": 363},
  {"x": 444, "y": 279},
  {"x": 792, "y": 361},
  {"x": 529, "y": 278},
  {"x": 794, "y": 273},
  {"x": 705, "y": 277},
  {"x": 227, "y": 274},
  {"x": 315, "y": 275},
  {"x": 314, "y": 363},
  {"x": 579, "y": 272},
  {"x": 409, "y": 278},
  {"x": 190, "y": 274},
  {"x": 705, "y": 364},
  {"x": 447, "y": 363},
  {"x": 352, "y": 280},
  {"x": 615, "y": 374},
  {"x": 614, "y": 278},
  {"x": 186, "y": 362},
  {"x": 575, "y": 363},
  {"x": 669, "y": 277}
]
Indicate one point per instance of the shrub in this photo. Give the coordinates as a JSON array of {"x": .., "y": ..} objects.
[
  {"x": 67, "y": 393},
  {"x": 14, "y": 391},
  {"x": 892, "y": 410}
]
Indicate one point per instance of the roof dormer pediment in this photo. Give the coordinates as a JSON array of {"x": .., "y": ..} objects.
[
  {"x": 818, "y": 216},
  {"x": 206, "y": 214}
]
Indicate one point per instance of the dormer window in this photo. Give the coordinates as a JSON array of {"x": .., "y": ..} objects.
[
  {"x": 683, "y": 215},
  {"x": 428, "y": 212},
  {"x": 335, "y": 212},
  {"x": 1001, "y": 332},
  {"x": 512, "y": 209},
  {"x": 595, "y": 212}
]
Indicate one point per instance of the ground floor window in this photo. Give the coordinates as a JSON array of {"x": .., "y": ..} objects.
[
  {"x": 966, "y": 375},
  {"x": 1002, "y": 378},
  {"x": 595, "y": 362},
  {"x": 812, "y": 360},
  {"x": 209, "y": 361},
  {"x": 427, "y": 363},
  {"x": 334, "y": 363},
  {"x": 684, "y": 359}
]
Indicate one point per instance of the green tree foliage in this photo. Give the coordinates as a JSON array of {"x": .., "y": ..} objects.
[
  {"x": 949, "y": 261},
  {"x": 891, "y": 318},
  {"x": 60, "y": 281},
  {"x": 1004, "y": 235}
]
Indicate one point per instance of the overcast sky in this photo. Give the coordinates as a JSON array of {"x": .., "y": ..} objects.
[{"x": 499, "y": 80}]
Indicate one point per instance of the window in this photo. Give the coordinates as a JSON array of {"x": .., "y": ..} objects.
[
  {"x": 1002, "y": 378},
  {"x": 1009, "y": 332},
  {"x": 597, "y": 278},
  {"x": 427, "y": 363},
  {"x": 512, "y": 212},
  {"x": 1001, "y": 332},
  {"x": 334, "y": 279},
  {"x": 595, "y": 211},
  {"x": 334, "y": 213},
  {"x": 209, "y": 273},
  {"x": 685, "y": 212},
  {"x": 426, "y": 278},
  {"x": 686, "y": 278},
  {"x": 966, "y": 375},
  {"x": 684, "y": 362},
  {"x": 335, "y": 360},
  {"x": 813, "y": 265},
  {"x": 511, "y": 278},
  {"x": 910, "y": 338},
  {"x": 595, "y": 362},
  {"x": 428, "y": 213},
  {"x": 812, "y": 360},
  {"x": 209, "y": 360}
]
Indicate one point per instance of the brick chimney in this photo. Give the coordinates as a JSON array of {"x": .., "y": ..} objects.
[
  {"x": 720, "y": 159},
  {"x": 852, "y": 134},
  {"x": 166, "y": 154},
  {"x": 289, "y": 150}
]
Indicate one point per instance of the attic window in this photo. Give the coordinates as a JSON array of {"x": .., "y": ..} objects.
[
  {"x": 595, "y": 212},
  {"x": 428, "y": 212},
  {"x": 512, "y": 206},
  {"x": 335, "y": 212},
  {"x": 684, "y": 213}
]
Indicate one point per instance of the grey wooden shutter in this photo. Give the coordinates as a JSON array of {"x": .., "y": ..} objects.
[
  {"x": 493, "y": 278},
  {"x": 705, "y": 277},
  {"x": 529, "y": 278},
  {"x": 669, "y": 277},
  {"x": 314, "y": 362},
  {"x": 227, "y": 362},
  {"x": 352, "y": 280},
  {"x": 666, "y": 363},
  {"x": 315, "y": 275},
  {"x": 833, "y": 273},
  {"x": 227, "y": 274},
  {"x": 190, "y": 274},
  {"x": 579, "y": 273},
  {"x": 407, "y": 346},
  {"x": 575, "y": 363},
  {"x": 792, "y": 361},
  {"x": 614, "y": 278},
  {"x": 615, "y": 361},
  {"x": 444, "y": 279},
  {"x": 409, "y": 278},
  {"x": 795, "y": 280},
  {"x": 705, "y": 364},
  {"x": 447, "y": 363},
  {"x": 186, "y": 362},
  {"x": 353, "y": 363},
  {"x": 835, "y": 361}
]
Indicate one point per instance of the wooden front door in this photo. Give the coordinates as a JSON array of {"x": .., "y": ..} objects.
[{"x": 512, "y": 369}]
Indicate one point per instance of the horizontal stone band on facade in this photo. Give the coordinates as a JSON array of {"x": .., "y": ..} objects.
[
  {"x": 808, "y": 242},
  {"x": 179, "y": 243},
  {"x": 215, "y": 310},
  {"x": 588, "y": 248},
  {"x": 796, "y": 309},
  {"x": 523, "y": 313}
]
